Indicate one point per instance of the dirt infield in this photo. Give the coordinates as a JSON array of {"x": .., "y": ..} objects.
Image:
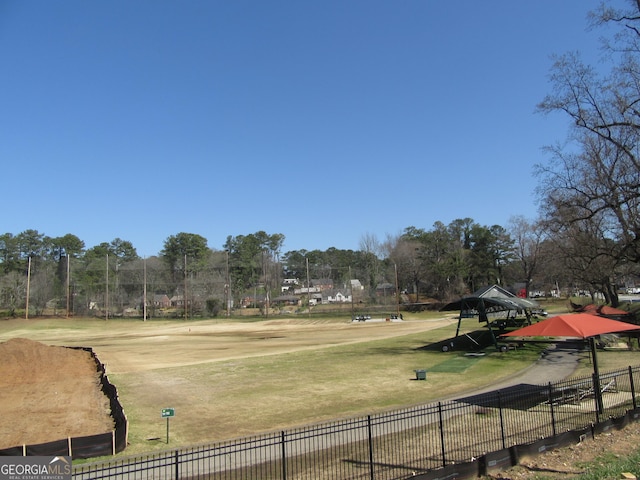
[{"x": 49, "y": 393}]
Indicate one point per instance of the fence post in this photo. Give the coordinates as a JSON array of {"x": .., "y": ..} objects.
[
  {"x": 177, "y": 465},
  {"x": 633, "y": 388},
  {"x": 504, "y": 443},
  {"x": 553, "y": 412},
  {"x": 370, "y": 433},
  {"x": 283, "y": 453},
  {"x": 441, "y": 425},
  {"x": 595, "y": 381}
]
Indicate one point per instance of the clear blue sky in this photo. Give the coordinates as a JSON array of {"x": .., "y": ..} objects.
[{"x": 321, "y": 120}]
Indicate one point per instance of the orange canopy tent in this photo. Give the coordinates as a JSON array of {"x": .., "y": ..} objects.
[
  {"x": 573, "y": 325},
  {"x": 576, "y": 325}
]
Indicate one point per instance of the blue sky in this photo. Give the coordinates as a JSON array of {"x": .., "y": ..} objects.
[{"x": 321, "y": 120}]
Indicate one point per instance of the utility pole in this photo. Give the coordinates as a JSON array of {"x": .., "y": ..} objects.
[
  {"x": 144, "y": 290},
  {"x": 351, "y": 285},
  {"x": 265, "y": 284},
  {"x": 228, "y": 288},
  {"x": 186, "y": 313},
  {"x": 308, "y": 290},
  {"x": 26, "y": 310},
  {"x": 106, "y": 295},
  {"x": 68, "y": 284},
  {"x": 395, "y": 267}
]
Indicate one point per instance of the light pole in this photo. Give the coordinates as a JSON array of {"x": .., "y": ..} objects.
[
  {"x": 228, "y": 288},
  {"x": 395, "y": 267}
]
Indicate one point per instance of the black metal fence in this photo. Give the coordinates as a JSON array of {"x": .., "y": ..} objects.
[{"x": 464, "y": 437}]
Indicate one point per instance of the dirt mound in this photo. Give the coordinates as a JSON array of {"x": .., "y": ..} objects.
[{"x": 49, "y": 393}]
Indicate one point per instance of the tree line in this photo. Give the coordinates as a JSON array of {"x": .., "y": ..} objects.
[{"x": 438, "y": 264}]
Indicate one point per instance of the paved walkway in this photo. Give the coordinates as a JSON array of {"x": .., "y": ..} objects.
[{"x": 556, "y": 363}]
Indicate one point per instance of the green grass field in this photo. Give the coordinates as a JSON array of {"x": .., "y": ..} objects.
[{"x": 229, "y": 378}]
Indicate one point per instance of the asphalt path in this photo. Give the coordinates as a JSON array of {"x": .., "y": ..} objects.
[{"x": 556, "y": 363}]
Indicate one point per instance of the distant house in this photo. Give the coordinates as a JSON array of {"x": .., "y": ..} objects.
[
  {"x": 316, "y": 299},
  {"x": 306, "y": 291},
  {"x": 178, "y": 301},
  {"x": 252, "y": 301},
  {"x": 288, "y": 284},
  {"x": 161, "y": 301},
  {"x": 337, "y": 296},
  {"x": 286, "y": 300},
  {"x": 322, "y": 283},
  {"x": 385, "y": 289}
]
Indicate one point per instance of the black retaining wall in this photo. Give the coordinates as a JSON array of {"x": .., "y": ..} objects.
[{"x": 501, "y": 460}]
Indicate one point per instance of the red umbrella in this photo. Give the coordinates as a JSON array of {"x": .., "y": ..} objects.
[
  {"x": 573, "y": 325},
  {"x": 576, "y": 325}
]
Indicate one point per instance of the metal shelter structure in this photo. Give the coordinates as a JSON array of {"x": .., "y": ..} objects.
[{"x": 491, "y": 300}]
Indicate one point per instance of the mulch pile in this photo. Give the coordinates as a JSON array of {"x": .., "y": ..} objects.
[{"x": 49, "y": 393}]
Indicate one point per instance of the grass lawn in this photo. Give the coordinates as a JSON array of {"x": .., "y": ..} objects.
[
  {"x": 610, "y": 360},
  {"x": 232, "y": 378}
]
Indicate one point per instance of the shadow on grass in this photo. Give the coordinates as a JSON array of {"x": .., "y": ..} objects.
[{"x": 465, "y": 342}]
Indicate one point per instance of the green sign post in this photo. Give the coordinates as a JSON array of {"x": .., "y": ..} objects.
[{"x": 168, "y": 413}]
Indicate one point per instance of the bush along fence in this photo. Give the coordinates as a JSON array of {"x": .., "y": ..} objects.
[
  {"x": 463, "y": 438},
  {"x": 102, "y": 444}
]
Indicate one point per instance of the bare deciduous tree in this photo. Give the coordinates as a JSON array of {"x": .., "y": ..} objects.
[{"x": 527, "y": 241}]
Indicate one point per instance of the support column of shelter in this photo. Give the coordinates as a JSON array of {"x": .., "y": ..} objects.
[
  {"x": 596, "y": 375},
  {"x": 463, "y": 307},
  {"x": 483, "y": 317}
]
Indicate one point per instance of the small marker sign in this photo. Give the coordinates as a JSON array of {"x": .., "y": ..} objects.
[{"x": 168, "y": 412}]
